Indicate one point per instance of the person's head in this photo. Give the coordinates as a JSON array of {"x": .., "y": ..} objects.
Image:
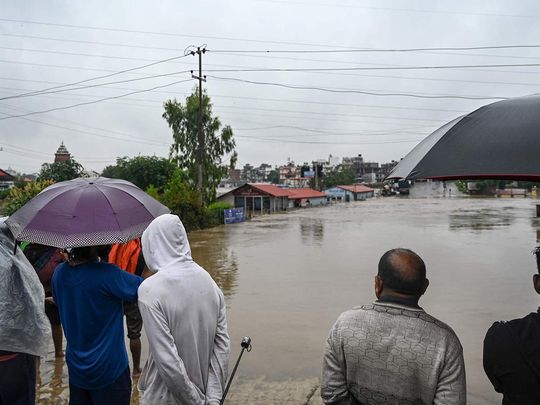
[
  {"x": 401, "y": 273},
  {"x": 536, "y": 277},
  {"x": 165, "y": 243},
  {"x": 81, "y": 255}
]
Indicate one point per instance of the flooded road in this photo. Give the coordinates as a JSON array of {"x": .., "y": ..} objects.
[{"x": 287, "y": 277}]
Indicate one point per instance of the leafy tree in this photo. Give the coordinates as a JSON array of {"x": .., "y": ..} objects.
[
  {"x": 61, "y": 171},
  {"x": 340, "y": 175},
  {"x": 19, "y": 196},
  {"x": 143, "y": 171},
  {"x": 185, "y": 201},
  {"x": 218, "y": 143},
  {"x": 273, "y": 176}
]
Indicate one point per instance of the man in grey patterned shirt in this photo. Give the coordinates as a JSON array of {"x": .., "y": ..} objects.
[{"x": 393, "y": 352}]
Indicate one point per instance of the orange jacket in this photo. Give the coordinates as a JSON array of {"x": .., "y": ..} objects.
[{"x": 126, "y": 255}]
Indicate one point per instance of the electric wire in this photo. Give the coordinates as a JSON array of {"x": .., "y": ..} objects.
[
  {"x": 92, "y": 102},
  {"x": 104, "y": 76},
  {"x": 352, "y": 91}
]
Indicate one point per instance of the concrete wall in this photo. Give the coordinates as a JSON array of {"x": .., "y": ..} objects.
[{"x": 434, "y": 189}]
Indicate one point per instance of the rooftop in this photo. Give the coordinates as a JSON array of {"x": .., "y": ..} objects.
[
  {"x": 357, "y": 188},
  {"x": 296, "y": 193}
]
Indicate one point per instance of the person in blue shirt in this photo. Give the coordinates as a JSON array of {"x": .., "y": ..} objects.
[{"x": 89, "y": 294}]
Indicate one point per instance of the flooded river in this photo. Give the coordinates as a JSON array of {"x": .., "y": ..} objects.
[{"x": 287, "y": 277}]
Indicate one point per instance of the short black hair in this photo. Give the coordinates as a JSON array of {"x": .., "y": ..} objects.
[
  {"x": 403, "y": 276},
  {"x": 86, "y": 253}
]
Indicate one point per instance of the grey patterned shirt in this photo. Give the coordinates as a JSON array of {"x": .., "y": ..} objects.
[{"x": 388, "y": 353}]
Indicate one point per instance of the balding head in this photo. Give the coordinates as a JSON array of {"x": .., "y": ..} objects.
[{"x": 403, "y": 271}]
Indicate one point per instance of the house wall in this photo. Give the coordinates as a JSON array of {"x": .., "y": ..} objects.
[
  {"x": 339, "y": 194},
  {"x": 227, "y": 198},
  {"x": 252, "y": 204}
]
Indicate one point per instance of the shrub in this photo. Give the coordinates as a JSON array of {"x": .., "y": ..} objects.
[{"x": 20, "y": 196}]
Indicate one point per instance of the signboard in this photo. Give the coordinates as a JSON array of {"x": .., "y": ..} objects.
[
  {"x": 234, "y": 215},
  {"x": 309, "y": 173}
]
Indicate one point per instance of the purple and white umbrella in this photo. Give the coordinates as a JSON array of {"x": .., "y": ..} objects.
[{"x": 85, "y": 212}]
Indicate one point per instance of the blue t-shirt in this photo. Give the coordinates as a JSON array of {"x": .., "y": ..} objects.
[{"x": 89, "y": 298}]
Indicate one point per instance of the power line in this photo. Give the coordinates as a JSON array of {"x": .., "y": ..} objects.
[
  {"x": 149, "y": 76},
  {"x": 318, "y": 113},
  {"x": 371, "y": 93},
  {"x": 91, "y": 102},
  {"x": 282, "y": 100},
  {"x": 79, "y": 131},
  {"x": 377, "y": 50},
  {"x": 278, "y": 116},
  {"x": 408, "y": 10},
  {"x": 269, "y": 140},
  {"x": 434, "y": 67},
  {"x": 131, "y": 138},
  {"x": 58, "y": 90},
  {"x": 319, "y": 132},
  {"x": 95, "y": 28},
  {"x": 100, "y": 77}
]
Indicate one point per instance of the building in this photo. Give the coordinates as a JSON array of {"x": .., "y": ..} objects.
[
  {"x": 355, "y": 192},
  {"x": 62, "y": 154},
  {"x": 258, "y": 198},
  {"x": 306, "y": 197},
  {"x": 370, "y": 172},
  {"x": 356, "y": 164},
  {"x": 291, "y": 175},
  {"x": 333, "y": 161},
  {"x": 6, "y": 180},
  {"x": 386, "y": 168}
]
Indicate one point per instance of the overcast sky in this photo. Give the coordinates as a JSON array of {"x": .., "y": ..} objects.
[{"x": 48, "y": 44}]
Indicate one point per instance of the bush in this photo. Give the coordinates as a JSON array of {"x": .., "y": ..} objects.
[
  {"x": 19, "y": 196},
  {"x": 216, "y": 211}
]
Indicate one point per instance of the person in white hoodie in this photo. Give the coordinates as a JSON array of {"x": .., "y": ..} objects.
[{"x": 183, "y": 313}]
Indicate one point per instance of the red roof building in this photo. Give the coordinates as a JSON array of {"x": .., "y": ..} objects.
[
  {"x": 358, "y": 188},
  {"x": 257, "y": 198},
  {"x": 354, "y": 192},
  {"x": 304, "y": 197}
]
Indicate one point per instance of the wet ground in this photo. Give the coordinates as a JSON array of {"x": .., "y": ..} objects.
[{"x": 287, "y": 277}]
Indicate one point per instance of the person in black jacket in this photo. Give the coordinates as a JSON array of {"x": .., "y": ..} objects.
[{"x": 512, "y": 355}]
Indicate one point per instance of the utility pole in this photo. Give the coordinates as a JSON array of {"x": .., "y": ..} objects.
[
  {"x": 316, "y": 169},
  {"x": 200, "y": 133}
]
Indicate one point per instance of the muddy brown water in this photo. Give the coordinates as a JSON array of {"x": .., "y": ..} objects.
[{"x": 287, "y": 277}]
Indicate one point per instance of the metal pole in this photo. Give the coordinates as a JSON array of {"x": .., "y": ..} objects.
[{"x": 246, "y": 345}]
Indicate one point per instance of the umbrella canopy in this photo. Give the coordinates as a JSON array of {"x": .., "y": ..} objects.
[
  {"x": 497, "y": 141},
  {"x": 85, "y": 212}
]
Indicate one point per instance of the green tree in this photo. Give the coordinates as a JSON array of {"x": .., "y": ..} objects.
[
  {"x": 185, "y": 201},
  {"x": 61, "y": 171},
  {"x": 218, "y": 143},
  {"x": 340, "y": 175},
  {"x": 143, "y": 171},
  {"x": 19, "y": 196},
  {"x": 273, "y": 176}
]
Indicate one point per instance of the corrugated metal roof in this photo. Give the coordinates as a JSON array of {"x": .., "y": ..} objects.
[
  {"x": 357, "y": 188},
  {"x": 271, "y": 189},
  {"x": 299, "y": 193}
]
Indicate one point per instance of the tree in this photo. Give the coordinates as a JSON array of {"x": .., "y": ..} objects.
[
  {"x": 219, "y": 142},
  {"x": 19, "y": 196},
  {"x": 143, "y": 171},
  {"x": 340, "y": 175},
  {"x": 183, "y": 200},
  {"x": 273, "y": 176},
  {"x": 61, "y": 171}
]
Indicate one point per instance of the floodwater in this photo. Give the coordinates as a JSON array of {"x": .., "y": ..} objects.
[{"x": 287, "y": 277}]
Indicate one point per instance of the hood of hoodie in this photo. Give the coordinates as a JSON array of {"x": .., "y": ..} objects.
[{"x": 165, "y": 243}]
